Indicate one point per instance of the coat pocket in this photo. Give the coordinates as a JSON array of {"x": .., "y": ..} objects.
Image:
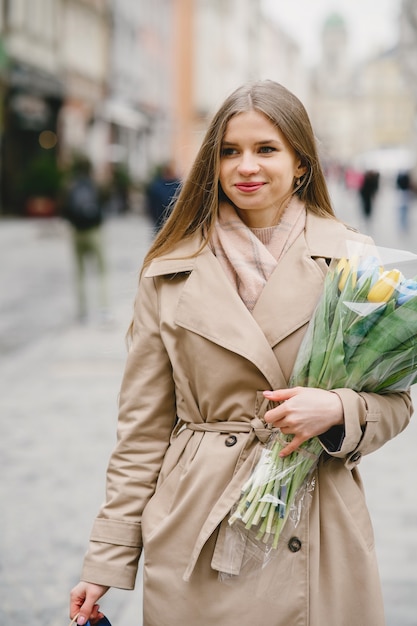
[{"x": 171, "y": 490}]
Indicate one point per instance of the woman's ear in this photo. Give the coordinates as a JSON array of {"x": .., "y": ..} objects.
[{"x": 300, "y": 170}]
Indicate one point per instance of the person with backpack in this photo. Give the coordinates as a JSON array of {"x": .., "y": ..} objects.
[{"x": 83, "y": 210}]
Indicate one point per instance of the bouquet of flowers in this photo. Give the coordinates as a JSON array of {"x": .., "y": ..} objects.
[{"x": 363, "y": 335}]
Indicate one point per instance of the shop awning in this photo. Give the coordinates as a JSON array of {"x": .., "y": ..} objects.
[{"x": 124, "y": 115}]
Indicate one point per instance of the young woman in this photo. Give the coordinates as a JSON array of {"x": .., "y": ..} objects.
[{"x": 226, "y": 293}]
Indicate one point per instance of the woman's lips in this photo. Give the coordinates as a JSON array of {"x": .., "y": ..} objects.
[{"x": 248, "y": 187}]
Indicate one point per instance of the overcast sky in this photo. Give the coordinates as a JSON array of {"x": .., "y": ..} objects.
[{"x": 372, "y": 24}]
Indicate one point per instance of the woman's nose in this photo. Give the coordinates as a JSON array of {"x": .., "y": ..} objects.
[{"x": 248, "y": 163}]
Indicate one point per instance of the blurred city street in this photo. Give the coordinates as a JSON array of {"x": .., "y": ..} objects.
[{"x": 59, "y": 383}]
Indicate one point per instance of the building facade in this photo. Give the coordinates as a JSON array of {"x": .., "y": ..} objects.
[
  {"x": 140, "y": 84},
  {"x": 82, "y": 76},
  {"x": 133, "y": 84},
  {"x": 221, "y": 44},
  {"x": 85, "y": 31},
  {"x": 32, "y": 96},
  {"x": 360, "y": 112}
]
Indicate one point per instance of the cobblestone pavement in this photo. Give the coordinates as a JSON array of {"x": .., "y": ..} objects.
[{"x": 58, "y": 394}]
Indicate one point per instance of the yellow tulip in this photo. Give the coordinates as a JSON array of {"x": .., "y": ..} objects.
[
  {"x": 385, "y": 286},
  {"x": 347, "y": 268}
]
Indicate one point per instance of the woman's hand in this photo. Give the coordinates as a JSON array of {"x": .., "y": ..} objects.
[
  {"x": 83, "y": 602},
  {"x": 304, "y": 412}
]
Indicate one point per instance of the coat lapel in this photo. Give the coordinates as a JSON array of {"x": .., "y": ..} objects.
[
  {"x": 210, "y": 306},
  {"x": 290, "y": 295}
]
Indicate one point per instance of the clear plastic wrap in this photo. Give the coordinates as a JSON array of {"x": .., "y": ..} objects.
[
  {"x": 275, "y": 494},
  {"x": 267, "y": 497},
  {"x": 363, "y": 335}
]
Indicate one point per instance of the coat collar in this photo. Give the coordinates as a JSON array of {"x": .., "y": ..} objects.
[
  {"x": 210, "y": 306},
  {"x": 324, "y": 237}
]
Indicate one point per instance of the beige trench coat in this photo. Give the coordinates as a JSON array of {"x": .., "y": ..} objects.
[{"x": 198, "y": 355}]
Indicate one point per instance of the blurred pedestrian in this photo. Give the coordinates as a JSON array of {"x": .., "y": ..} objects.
[
  {"x": 83, "y": 210},
  {"x": 225, "y": 296},
  {"x": 367, "y": 191},
  {"x": 403, "y": 184},
  {"x": 161, "y": 193}
]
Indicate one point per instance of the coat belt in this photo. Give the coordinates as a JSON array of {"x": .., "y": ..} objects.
[{"x": 256, "y": 425}]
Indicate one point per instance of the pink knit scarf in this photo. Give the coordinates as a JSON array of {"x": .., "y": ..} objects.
[{"x": 248, "y": 261}]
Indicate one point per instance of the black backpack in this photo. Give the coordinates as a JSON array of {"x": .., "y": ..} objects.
[{"x": 83, "y": 208}]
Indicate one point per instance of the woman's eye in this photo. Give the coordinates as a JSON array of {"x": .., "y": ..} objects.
[
  {"x": 228, "y": 151},
  {"x": 266, "y": 149}
]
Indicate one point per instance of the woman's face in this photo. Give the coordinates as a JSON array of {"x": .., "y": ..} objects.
[{"x": 257, "y": 168}]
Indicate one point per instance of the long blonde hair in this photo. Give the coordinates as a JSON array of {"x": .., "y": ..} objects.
[{"x": 196, "y": 206}]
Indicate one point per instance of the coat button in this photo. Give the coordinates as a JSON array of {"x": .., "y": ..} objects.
[
  {"x": 294, "y": 544},
  {"x": 230, "y": 441},
  {"x": 356, "y": 456}
]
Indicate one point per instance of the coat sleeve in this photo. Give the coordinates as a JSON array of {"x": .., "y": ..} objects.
[
  {"x": 146, "y": 418},
  {"x": 370, "y": 421}
]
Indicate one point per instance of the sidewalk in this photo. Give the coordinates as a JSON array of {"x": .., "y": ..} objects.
[{"x": 58, "y": 406}]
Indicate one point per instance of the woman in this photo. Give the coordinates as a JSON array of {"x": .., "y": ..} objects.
[{"x": 225, "y": 297}]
